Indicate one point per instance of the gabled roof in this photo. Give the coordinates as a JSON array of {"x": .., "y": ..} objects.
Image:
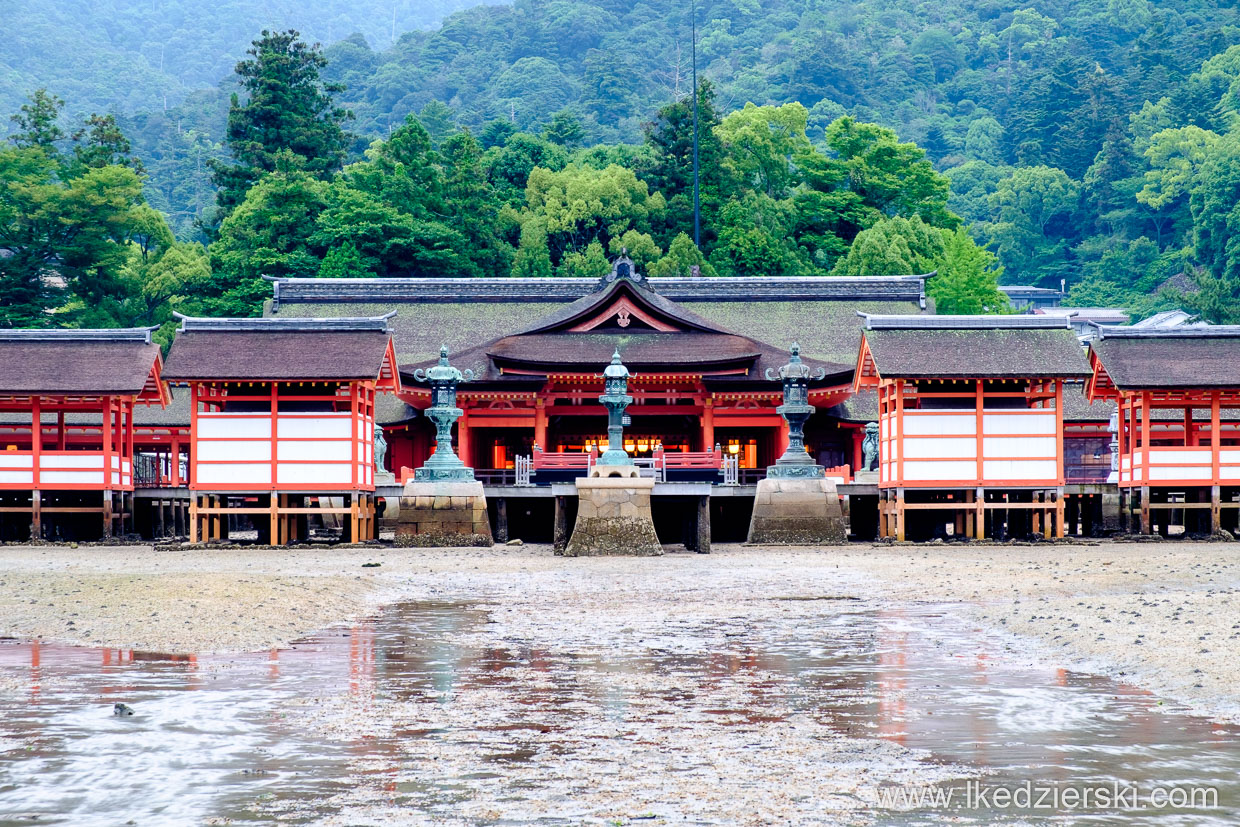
[
  {"x": 1180, "y": 358},
  {"x": 969, "y": 347},
  {"x": 571, "y": 316},
  {"x": 340, "y": 349},
  {"x": 120, "y": 362},
  {"x": 651, "y": 333}
]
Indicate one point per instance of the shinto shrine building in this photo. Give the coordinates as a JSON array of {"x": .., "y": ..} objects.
[
  {"x": 68, "y": 400},
  {"x": 282, "y": 419},
  {"x": 970, "y": 422},
  {"x": 1177, "y": 391}
]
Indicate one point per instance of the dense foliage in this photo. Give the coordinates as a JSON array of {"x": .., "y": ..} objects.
[{"x": 1086, "y": 142}]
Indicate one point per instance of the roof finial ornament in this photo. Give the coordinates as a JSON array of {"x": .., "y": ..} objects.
[{"x": 622, "y": 268}]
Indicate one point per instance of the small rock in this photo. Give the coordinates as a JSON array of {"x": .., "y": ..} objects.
[
  {"x": 121, "y": 710},
  {"x": 516, "y": 542},
  {"x": 371, "y": 565}
]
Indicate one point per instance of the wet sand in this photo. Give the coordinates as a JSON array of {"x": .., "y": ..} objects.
[{"x": 1163, "y": 616}]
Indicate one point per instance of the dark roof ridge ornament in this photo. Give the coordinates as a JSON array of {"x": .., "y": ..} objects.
[{"x": 622, "y": 269}]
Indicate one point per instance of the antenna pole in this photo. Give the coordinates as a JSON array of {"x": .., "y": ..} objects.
[{"x": 697, "y": 199}]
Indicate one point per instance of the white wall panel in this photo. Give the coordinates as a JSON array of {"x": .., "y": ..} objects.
[
  {"x": 1176, "y": 472},
  {"x": 313, "y": 474},
  {"x": 1019, "y": 423},
  {"x": 255, "y": 451},
  {"x": 1018, "y": 469},
  {"x": 257, "y": 473},
  {"x": 947, "y": 471},
  {"x": 323, "y": 450},
  {"x": 916, "y": 424},
  {"x": 86, "y": 459},
  {"x": 10, "y": 459},
  {"x": 884, "y": 427},
  {"x": 1229, "y": 455},
  {"x": 317, "y": 427},
  {"x": 1179, "y": 456},
  {"x": 71, "y": 477},
  {"x": 226, "y": 426},
  {"x": 999, "y": 447},
  {"x": 1232, "y": 473},
  {"x": 17, "y": 477},
  {"x": 942, "y": 448}
]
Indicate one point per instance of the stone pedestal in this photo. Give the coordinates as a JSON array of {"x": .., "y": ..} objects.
[
  {"x": 443, "y": 514},
  {"x": 613, "y": 518},
  {"x": 803, "y": 512}
]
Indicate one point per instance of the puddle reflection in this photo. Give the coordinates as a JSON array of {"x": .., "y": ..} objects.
[{"x": 218, "y": 737}]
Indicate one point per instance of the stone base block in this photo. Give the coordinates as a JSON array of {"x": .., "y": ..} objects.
[
  {"x": 443, "y": 514},
  {"x": 802, "y": 512},
  {"x": 613, "y": 518}
]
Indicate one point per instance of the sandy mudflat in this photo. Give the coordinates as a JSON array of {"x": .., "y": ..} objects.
[{"x": 1164, "y": 616}]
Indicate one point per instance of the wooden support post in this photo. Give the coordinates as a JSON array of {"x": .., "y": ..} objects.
[
  {"x": 36, "y": 515},
  {"x": 193, "y": 518},
  {"x": 1216, "y": 516},
  {"x": 158, "y": 528},
  {"x": 703, "y": 525},
  {"x": 274, "y": 503},
  {"x": 1145, "y": 504},
  {"x": 900, "y": 517},
  {"x": 355, "y": 526},
  {"x": 559, "y": 537},
  {"x": 1038, "y": 498},
  {"x": 501, "y": 520},
  {"x": 1059, "y": 513},
  {"x": 979, "y": 511},
  {"x": 107, "y": 508}
]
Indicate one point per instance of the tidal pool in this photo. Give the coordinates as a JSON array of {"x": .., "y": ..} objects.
[{"x": 481, "y": 713}]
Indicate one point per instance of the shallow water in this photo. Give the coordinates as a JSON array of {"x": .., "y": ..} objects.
[{"x": 235, "y": 737}]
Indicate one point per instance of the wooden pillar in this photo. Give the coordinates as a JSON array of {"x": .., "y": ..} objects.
[
  {"x": 1216, "y": 515},
  {"x": 464, "y": 442},
  {"x": 540, "y": 424},
  {"x": 559, "y": 537},
  {"x": 703, "y": 525},
  {"x": 107, "y": 511},
  {"x": 708, "y": 425},
  {"x": 1059, "y": 513},
  {"x": 274, "y": 504},
  {"x": 193, "y": 518},
  {"x": 979, "y": 514},
  {"x": 355, "y": 527},
  {"x": 501, "y": 520},
  {"x": 1038, "y": 498},
  {"x": 900, "y": 517},
  {"x": 1145, "y": 507},
  {"x": 36, "y": 515}
]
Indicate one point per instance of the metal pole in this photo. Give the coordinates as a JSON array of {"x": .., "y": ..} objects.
[{"x": 697, "y": 201}]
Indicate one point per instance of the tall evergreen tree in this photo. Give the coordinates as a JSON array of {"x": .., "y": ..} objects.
[{"x": 287, "y": 112}]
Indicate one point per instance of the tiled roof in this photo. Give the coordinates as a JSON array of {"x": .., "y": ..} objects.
[
  {"x": 90, "y": 362},
  {"x": 284, "y": 348},
  {"x": 1166, "y": 358}
]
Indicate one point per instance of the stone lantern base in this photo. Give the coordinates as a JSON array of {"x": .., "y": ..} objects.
[
  {"x": 613, "y": 515},
  {"x": 797, "y": 511},
  {"x": 443, "y": 514}
]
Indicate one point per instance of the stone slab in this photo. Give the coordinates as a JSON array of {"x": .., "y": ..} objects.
[{"x": 803, "y": 512}]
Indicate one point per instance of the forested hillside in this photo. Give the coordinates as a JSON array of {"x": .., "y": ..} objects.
[
  {"x": 131, "y": 55},
  {"x": 1079, "y": 141}
]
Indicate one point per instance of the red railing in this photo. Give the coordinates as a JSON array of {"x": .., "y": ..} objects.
[
  {"x": 712, "y": 460},
  {"x": 558, "y": 461}
]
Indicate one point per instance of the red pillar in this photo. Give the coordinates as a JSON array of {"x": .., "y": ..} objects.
[{"x": 708, "y": 426}]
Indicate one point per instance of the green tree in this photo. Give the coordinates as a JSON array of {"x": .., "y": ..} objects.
[
  {"x": 892, "y": 247},
  {"x": 1215, "y": 205},
  {"x": 579, "y": 205},
  {"x": 760, "y": 143},
  {"x": 288, "y": 115},
  {"x": 532, "y": 259},
  {"x": 38, "y": 122},
  {"x": 968, "y": 278},
  {"x": 590, "y": 263},
  {"x": 682, "y": 256},
  {"x": 565, "y": 129},
  {"x": 268, "y": 234},
  {"x": 64, "y": 242},
  {"x": 1033, "y": 208}
]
